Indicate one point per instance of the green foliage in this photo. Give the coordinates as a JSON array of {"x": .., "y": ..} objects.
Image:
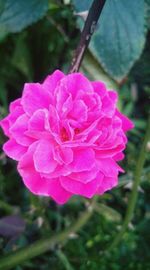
[
  {"x": 120, "y": 36},
  {"x": 93, "y": 69},
  {"x": 16, "y": 15},
  {"x": 29, "y": 56},
  {"x": 147, "y": 8}
]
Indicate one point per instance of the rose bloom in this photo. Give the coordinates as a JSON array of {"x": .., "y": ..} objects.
[{"x": 67, "y": 136}]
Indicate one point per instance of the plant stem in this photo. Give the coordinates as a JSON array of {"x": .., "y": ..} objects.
[
  {"x": 88, "y": 30},
  {"x": 11, "y": 260},
  {"x": 64, "y": 260},
  {"x": 134, "y": 193}
]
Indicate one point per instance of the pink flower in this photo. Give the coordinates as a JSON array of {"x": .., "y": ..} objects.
[{"x": 67, "y": 136}]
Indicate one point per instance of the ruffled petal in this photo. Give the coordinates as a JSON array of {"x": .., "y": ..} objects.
[
  {"x": 83, "y": 189},
  {"x": 76, "y": 82},
  {"x": 63, "y": 155},
  {"x": 38, "y": 125},
  {"x": 85, "y": 177},
  {"x": 40, "y": 185},
  {"x": 113, "y": 95},
  {"x": 14, "y": 104},
  {"x": 18, "y": 130},
  {"x": 84, "y": 160},
  {"x": 51, "y": 82},
  {"x": 99, "y": 88},
  {"x": 43, "y": 157},
  {"x": 79, "y": 111},
  {"x": 9, "y": 120},
  {"x": 127, "y": 124},
  {"x": 109, "y": 167},
  {"x": 108, "y": 106},
  {"x": 34, "y": 98},
  {"x": 14, "y": 150},
  {"x": 4, "y": 124},
  {"x": 107, "y": 184}
]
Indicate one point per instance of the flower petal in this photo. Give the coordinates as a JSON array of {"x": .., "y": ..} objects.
[
  {"x": 38, "y": 125},
  {"x": 79, "y": 111},
  {"x": 18, "y": 130},
  {"x": 9, "y": 120},
  {"x": 43, "y": 157},
  {"x": 51, "y": 81},
  {"x": 40, "y": 185},
  {"x": 14, "y": 150},
  {"x": 63, "y": 155},
  {"x": 84, "y": 160},
  {"x": 34, "y": 98},
  {"x": 83, "y": 189},
  {"x": 14, "y": 104},
  {"x": 85, "y": 177},
  {"x": 4, "y": 124},
  {"x": 127, "y": 124},
  {"x": 109, "y": 167},
  {"x": 107, "y": 184},
  {"x": 99, "y": 88},
  {"x": 76, "y": 82}
]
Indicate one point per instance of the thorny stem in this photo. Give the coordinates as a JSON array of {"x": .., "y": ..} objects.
[
  {"x": 134, "y": 193},
  {"x": 88, "y": 30}
]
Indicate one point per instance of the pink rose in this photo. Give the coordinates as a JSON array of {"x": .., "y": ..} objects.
[{"x": 67, "y": 136}]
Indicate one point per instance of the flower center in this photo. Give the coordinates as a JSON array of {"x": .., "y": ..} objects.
[
  {"x": 77, "y": 131},
  {"x": 64, "y": 135}
]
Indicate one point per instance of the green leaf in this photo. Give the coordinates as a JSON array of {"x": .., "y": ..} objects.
[
  {"x": 147, "y": 11},
  {"x": 82, "y": 5},
  {"x": 18, "y": 14},
  {"x": 2, "y": 5},
  {"x": 21, "y": 58},
  {"x": 64, "y": 260},
  {"x": 93, "y": 69},
  {"x": 3, "y": 94},
  {"x": 120, "y": 36},
  {"x": 109, "y": 213}
]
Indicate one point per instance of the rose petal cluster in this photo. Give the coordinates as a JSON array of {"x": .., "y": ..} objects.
[{"x": 67, "y": 136}]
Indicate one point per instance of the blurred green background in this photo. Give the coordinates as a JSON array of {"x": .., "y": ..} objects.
[{"x": 36, "y": 37}]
